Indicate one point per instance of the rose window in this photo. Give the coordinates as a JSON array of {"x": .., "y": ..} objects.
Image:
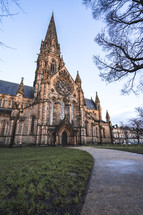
[{"x": 63, "y": 87}]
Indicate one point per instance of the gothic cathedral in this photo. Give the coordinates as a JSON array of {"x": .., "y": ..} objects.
[{"x": 54, "y": 111}]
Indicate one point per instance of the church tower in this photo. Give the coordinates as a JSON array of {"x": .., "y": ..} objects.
[
  {"x": 54, "y": 89},
  {"x": 49, "y": 60}
]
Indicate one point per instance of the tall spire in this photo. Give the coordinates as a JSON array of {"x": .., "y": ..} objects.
[
  {"x": 51, "y": 32},
  {"x": 51, "y": 39}
]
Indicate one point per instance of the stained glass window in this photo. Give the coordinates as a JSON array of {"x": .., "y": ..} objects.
[
  {"x": 86, "y": 128},
  {"x": 52, "y": 68},
  {"x": 72, "y": 113},
  {"x": 3, "y": 103},
  {"x": 96, "y": 132},
  {"x": 104, "y": 135},
  {"x": 62, "y": 110},
  {"x": 63, "y": 87},
  {"x": 13, "y": 103},
  {"x": 32, "y": 125},
  {"x": 9, "y": 105},
  {"x": 51, "y": 113}
]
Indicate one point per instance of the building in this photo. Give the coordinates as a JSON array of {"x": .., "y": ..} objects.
[
  {"x": 126, "y": 135},
  {"x": 54, "y": 111}
]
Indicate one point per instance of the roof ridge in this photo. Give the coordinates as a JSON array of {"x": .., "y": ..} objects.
[{"x": 15, "y": 83}]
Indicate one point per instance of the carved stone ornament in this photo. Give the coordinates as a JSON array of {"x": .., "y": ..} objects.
[
  {"x": 52, "y": 90},
  {"x": 63, "y": 73}
]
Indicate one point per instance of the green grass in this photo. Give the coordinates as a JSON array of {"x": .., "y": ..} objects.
[
  {"x": 43, "y": 180},
  {"x": 128, "y": 148}
]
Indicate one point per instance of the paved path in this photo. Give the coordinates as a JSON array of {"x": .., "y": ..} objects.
[{"x": 116, "y": 184}]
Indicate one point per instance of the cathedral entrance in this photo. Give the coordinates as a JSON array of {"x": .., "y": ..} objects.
[{"x": 64, "y": 138}]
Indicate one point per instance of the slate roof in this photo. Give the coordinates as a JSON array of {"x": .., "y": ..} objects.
[
  {"x": 90, "y": 104},
  {"x": 11, "y": 89}
]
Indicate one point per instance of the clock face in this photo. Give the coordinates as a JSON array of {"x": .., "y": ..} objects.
[{"x": 63, "y": 87}]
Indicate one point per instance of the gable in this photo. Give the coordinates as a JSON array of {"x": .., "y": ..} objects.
[
  {"x": 65, "y": 125},
  {"x": 63, "y": 82}
]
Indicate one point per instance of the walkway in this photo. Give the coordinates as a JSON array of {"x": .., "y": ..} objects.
[{"x": 116, "y": 184}]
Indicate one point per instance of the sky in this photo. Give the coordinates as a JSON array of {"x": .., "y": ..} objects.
[{"x": 76, "y": 30}]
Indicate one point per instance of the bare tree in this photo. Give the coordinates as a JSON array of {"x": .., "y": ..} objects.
[
  {"x": 122, "y": 40},
  {"x": 126, "y": 129},
  {"x": 6, "y": 11},
  {"x": 137, "y": 126},
  {"x": 140, "y": 113},
  {"x": 134, "y": 126}
]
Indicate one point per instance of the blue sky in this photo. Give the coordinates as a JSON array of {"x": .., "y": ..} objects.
[{"x": 76, "y": 31}]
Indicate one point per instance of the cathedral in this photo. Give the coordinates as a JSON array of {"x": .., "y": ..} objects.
[{"x": 54, "y": 111}]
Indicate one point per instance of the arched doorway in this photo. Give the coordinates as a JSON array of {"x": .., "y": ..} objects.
[{"x": 64, "y": 138}]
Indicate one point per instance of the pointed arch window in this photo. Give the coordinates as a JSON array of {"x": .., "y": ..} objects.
[
  {"x": 51, "y": 113},
  {"x": 3, "y": 103},
  {"x": 53, "y": 66},
  {"x": 104, "y": 134},
  {"x": 62, "y": 110},
  {"x": 96, "y": 132},
  {"x": 9, "y": 105},
  {"x": 86, "y": 128},
  {"x": 32, "y": 124},
  {"x": 72, "y": 112},
  {"x": 13, "y": 104},
  {"x": 3, "y": 127}
]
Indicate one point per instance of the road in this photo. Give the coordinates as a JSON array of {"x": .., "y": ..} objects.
[{"x": 116, "y": 184}]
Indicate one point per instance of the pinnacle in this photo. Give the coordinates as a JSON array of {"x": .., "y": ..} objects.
[
  {"x": 77, "y": 80},
  {"x": 107, "y": 113},
  {"x": 21, "y": 87},
  {"x": 107, "y": 116},
  {"x": 97, "y": 98}
]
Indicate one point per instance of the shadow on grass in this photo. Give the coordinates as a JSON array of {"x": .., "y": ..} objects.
[{"x": 43, "y": 180}]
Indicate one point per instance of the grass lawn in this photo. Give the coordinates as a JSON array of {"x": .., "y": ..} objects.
[
  {"x": 48, "y": 180},
  {"x": 129, "y": 148}
]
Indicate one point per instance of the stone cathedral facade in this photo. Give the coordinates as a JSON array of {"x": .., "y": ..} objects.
[{"x": 54, "y": 111}]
